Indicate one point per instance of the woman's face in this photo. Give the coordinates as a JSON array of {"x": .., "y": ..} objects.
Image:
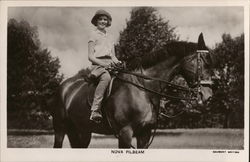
[{"x": 102, "y": 22}]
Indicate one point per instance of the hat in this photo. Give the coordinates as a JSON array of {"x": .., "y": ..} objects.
[{"x": 101, "y": 13}]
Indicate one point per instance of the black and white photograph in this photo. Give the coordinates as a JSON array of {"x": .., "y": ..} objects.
[{"x": 108, "y": 81}]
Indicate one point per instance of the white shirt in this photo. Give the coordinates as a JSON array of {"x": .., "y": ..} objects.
[{"x": 103, "y": 43}]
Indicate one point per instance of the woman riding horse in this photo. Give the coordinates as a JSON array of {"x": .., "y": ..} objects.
[
  {"x": 101, "y": 53},
  {"x": 130, "y": 110}
]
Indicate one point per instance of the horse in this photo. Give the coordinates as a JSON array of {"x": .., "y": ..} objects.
[{"x": 129, "y": 111}]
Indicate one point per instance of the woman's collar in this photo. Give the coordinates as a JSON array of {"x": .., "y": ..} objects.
[{"x": 99, "y": 31}]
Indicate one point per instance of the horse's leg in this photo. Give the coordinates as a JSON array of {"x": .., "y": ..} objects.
[
  {"x": 143, "y": 138},
  {"x": 74, "y": 137},
  {"x": 59, "y": 136},
  {"x": 85, "y": 139},
  {"x": 60, "y": 131},
  {"x": 125, "y": 137},
  {"x": 78, "y": 139}
]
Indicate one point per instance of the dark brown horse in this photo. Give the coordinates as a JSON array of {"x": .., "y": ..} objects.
[{"x": 131, "y": 111}]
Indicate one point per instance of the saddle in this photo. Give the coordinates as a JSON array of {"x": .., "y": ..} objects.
[
  {"x": 92, "y": 87},
  {"x": 92, "y": 81}
]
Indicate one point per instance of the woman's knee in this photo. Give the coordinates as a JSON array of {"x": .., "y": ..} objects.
[{"x": 106, "y": 77}]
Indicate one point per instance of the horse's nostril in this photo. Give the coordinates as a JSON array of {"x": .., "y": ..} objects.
[
  {"x": 208, "y": 100},
  {"x": 200, "y": 102}
]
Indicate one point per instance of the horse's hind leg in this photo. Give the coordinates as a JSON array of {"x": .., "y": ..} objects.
[
  {"x": 125, "y": 137},
  {"x": 74, "y": 138},
  {"x": 79, "y": 140},
  {"x": 85, "y": 139},
  {"x": 143, "y": 138},
  {"x": 59, "y": 136}
]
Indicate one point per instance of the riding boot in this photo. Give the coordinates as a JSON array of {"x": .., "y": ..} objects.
[{"x": 96, "y": 116}]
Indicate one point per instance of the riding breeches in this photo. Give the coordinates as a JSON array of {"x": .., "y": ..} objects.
[{"x": 104, "y": 79}]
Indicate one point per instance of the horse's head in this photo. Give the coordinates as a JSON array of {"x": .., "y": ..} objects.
[{"x": 197, "y": 71}]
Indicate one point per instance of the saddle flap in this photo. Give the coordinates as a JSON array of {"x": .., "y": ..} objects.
[{"x": 92, "y": 89}]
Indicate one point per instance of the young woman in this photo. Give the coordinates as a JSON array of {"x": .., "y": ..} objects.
[{"x": 101, "y": 53}]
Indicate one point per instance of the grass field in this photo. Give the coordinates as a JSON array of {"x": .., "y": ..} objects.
[{"x": 169, "y": 139}]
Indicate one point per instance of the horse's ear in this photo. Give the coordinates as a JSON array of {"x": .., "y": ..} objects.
[{"x": 201, "y": 43}]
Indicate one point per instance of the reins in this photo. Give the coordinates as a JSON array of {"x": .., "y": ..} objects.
[
  {"x": 168, "y": 84},
  {"x": 156, "y": 79},
  {"x": 153, "y": 91}
]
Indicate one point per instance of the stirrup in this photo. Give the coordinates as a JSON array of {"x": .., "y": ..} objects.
[{"x": 96, "y": 116}]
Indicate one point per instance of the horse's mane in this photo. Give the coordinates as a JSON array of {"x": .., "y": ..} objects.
[{"x": 179, "y": 49}]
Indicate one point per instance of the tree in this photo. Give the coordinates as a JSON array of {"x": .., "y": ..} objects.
[
  {"x": 229, "y": 98},
  {"x": 146, "y": 32},
  {"x": 32, "y": 73}
]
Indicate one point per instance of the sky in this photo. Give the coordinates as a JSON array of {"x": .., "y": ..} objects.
[{"x": 64, "y": 30}]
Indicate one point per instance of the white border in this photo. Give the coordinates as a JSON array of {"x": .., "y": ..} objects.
[{"x": 10, "y": 154}]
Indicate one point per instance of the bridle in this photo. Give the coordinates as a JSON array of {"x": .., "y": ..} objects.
[
  {"x": 194, "y": 91},
  {"x": 200, "y": 82}
]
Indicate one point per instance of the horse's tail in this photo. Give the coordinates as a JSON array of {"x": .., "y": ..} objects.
[
  {"x": 58, "y": 113},
  {"x": 57, "y": 107}
]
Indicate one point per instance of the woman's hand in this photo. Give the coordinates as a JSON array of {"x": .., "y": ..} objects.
[
  {"x": 116, "y": 62},
  {"x": 106, "y": 65}
]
